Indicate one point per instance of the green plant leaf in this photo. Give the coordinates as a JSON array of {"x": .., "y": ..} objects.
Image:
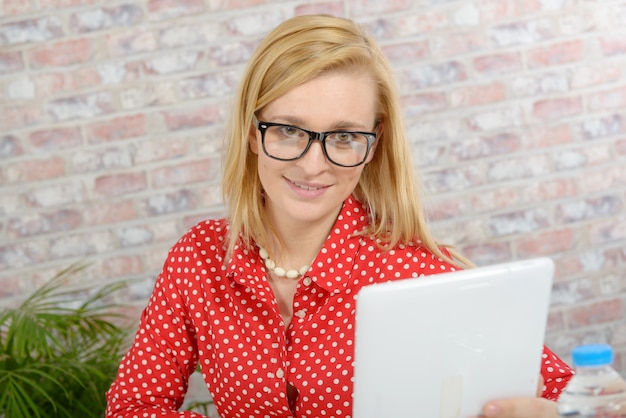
[{"x": 60, "y": 349}]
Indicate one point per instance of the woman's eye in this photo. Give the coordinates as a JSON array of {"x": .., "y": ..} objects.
[
  {"x": 288, "y": 130},
  {"x": 344, "y": 136}
]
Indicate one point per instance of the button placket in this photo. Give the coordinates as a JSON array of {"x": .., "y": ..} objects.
[{"x": 302, "y": 311}]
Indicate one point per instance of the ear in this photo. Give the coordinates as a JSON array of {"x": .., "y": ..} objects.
[{"x": 253, "y": 140}]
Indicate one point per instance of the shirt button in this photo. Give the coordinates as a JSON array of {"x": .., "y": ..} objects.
[
  {"x": 280, "y": 373},
  {"x": 307, "y": 281},
  {"x": 300, "y": 314}
]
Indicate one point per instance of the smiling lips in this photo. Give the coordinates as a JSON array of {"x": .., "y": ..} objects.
[{"x": 306, "y": 187}]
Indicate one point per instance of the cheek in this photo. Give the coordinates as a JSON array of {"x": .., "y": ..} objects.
[
  {"x": 265, "y": 166},
  {"x": 352, "y": 178}
]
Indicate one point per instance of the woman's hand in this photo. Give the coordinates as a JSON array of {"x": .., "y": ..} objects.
[{"x": 522, "y": 407}]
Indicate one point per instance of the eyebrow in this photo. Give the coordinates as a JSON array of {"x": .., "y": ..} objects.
[{"x": 337, "y": 125}]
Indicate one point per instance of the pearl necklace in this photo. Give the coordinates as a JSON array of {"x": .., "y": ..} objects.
[{"x": 279, "y": 271}]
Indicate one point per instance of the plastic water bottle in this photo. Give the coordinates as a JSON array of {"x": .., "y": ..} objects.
[{"x": 596, "y": 390}]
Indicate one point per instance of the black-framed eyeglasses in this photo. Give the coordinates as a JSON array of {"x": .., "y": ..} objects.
[{"x": 288, "y": 143}]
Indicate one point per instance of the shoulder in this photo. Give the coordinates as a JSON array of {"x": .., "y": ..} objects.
[
  {"x": 206, "y": 235},
  {"x": 198, "y": 255},
  {"x": 412, "y": 259},
  {"x": 210, "y": 228}
]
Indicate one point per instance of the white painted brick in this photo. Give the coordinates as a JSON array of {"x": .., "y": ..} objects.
[
  {"x": 21, "y": 255},
  {"x": 467, "y": 15},
  {"x": 95, "y": 19},
  {"x": 39, "y": 30},
  {"x": 570, "y": 159},
  {"x": 603, "y": 126},
  {"x": 81, "y": 245},
  {"x": 519, "y": 222},
  {"x": 173, "y": 62},
  {"x": 108, "y": 159},
  {"x": 22, "y": 88},
  {"x": 190, "y": 34},
  {"x": 496, "y": 119},
  {"x": 573, "y": 24},
  {"x": 111, "y": 72},
  {"x": 10, "y": 204},
  {"x": 132, "y": 98},
  {"x": 431, "y": 75},
  {"x": 552, "y": 5},
  {"x": 518, "y": 167},
  {"x": 210, "y": 85},
  {"x": 84, "y": 107},
  {"x": 539, "y": 85},
  {"x": 522, "y": 32},
  {"x": 249, "y": 24},
  {"x": 91, "y": 19},
  {"x": 57, "y": 194},
  {"x": 135, "y": 236}
]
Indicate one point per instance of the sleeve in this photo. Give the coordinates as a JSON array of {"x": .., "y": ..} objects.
[
  {"x": 152, "y": 378},
  {"x": 556, "y": 373}
]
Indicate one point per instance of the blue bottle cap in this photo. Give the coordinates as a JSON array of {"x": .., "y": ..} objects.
[{"x": 592, "y": 355}]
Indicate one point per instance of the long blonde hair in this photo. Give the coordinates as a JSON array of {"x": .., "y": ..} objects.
[{"x": 296, "y": 51}]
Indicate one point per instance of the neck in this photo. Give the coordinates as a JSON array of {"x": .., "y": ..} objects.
[
  {"x": 295, "y": 251},
  {"x": 297, "y": 248},
  {"x": 297, "y": 243}
]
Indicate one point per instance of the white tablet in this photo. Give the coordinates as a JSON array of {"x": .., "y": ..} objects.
[{"x": 441, "y": 346}]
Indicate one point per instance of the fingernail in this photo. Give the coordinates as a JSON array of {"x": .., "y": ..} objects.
[{"x": 492, "y": 410}]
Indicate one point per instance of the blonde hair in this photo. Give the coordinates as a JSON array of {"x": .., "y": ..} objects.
[{"x": 296, "y": 51}]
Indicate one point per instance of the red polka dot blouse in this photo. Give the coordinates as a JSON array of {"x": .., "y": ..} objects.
[{"x": 223, "y": 316}]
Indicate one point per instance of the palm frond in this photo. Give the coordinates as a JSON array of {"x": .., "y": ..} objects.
[{"x": 59, "y": 350}]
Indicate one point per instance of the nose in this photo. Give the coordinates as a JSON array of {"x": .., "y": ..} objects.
[{"x": 314, "y": 161}]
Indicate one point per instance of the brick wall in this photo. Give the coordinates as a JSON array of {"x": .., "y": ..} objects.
[{"x": 112, "y": 114}]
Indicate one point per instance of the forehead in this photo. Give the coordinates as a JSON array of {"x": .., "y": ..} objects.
[{"x": 346, "y": 96}]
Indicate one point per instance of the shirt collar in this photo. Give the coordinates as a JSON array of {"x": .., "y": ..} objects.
[{"x": 334, "y": 264}]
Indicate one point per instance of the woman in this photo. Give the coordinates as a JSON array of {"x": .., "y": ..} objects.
[{"x": 317, "y": 171}]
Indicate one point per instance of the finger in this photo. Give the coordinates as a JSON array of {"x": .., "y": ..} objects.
[{"x": 521, "y": 408}]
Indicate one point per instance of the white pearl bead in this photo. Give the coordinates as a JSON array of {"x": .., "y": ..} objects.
[
  {"x": 279, "y": 271},
  {"x": 292, "y": 274}
]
